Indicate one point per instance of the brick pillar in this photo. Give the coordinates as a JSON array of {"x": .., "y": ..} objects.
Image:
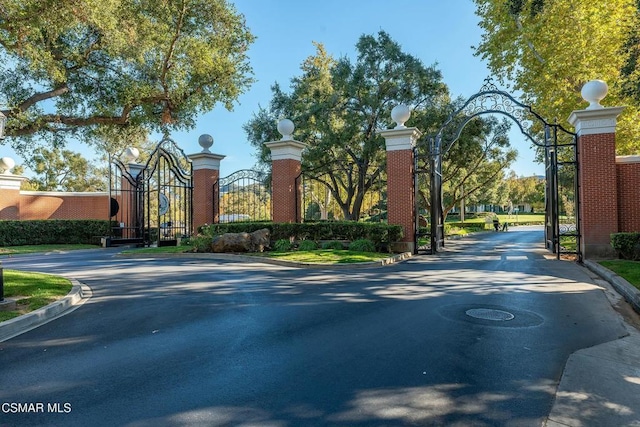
[
  {"x": 286, "y": 156},
  {"x": 401, "y": 206},
  {"x": 206, "y": 172},
  {"x": 10, "y": 195},
  {"x": 596, "y": 127}
]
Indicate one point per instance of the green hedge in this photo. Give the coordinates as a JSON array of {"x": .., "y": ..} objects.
[
  {"x": 627, "y": 245},
  {"x": 380, "y": 234},
  {"x": 53, "y": 231}
]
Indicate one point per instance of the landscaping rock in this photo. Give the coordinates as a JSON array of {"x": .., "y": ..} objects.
[{"x": 241, "y": 242}]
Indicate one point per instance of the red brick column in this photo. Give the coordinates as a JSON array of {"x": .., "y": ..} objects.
[
  {"x": 628, "y": 177},
  {"x": 400, "y": 188},
  {"x": 286, "y": 193},
  {"x": 598, "y": 212},
  {"x": 206, "y": 172}
]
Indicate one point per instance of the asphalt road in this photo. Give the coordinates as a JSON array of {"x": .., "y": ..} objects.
[{"x": 477, "y": 335}]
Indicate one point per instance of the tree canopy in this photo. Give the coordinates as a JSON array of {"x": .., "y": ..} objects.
[
  {"x": 549, "y": 49},
  {"x": 64, "y": 170},
  {"x": 339, "y": 105},
  {"x": 69, "y": 67}
]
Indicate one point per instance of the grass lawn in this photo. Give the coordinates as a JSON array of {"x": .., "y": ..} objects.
[
  {"x": 160, "y": 250},
  {"x": 629, "y": 270},
  {"x": 324, "y": 256},
  {"x": 32, "y": 291},
  {"x": 29, "y": 249},
  {"x": 513, "y": 219}
]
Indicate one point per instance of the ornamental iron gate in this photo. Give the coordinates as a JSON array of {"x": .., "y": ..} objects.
[
  {"x": 126, "y": 201},
  {"x": 152, "y": 204},
  {"x": 244, "y": 195},
  {"x": 562, "y": 225},
  {"x": 319, "y": 201}
]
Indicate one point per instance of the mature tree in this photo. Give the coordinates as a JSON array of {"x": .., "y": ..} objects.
[
  {"x": 338, "y": 106},
  {"x": 473, "y": 167},
  {"x": 549, "y": 49},
  {"x": 68, "y": 67},
  {"x": 526, "y": 190},
  {"x": 63, "y": 170}
]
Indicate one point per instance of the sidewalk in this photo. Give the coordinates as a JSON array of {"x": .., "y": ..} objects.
[{"x": 600, "y": 385}]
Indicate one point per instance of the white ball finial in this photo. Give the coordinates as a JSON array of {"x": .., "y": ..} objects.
[
  {"x": 6, "y": 164},
  {"x": 286, "y": 127},
  {"x": 131, "y": 154},
  {"x": 205, "y": 141},
  {"x": 400, "y": 114},
  {"x": 593, "y": 92}
]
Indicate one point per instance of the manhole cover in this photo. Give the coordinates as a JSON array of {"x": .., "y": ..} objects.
[{"x": 489, "y": 314}]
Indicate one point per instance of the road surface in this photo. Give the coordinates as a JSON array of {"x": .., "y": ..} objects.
[{"x": 476, "y": 335}]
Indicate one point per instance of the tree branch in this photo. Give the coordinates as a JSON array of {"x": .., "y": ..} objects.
[{"x": 34, "y": 99}]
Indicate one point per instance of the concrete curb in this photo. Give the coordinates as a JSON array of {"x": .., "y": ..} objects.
[
  {"x": 78, "y": 295},
  {"x": 266, "y": 260},
  {"x": 630, "y": 293}
]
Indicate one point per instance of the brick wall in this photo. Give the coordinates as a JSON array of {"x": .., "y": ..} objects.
[
  {"x": 284, "y": 174},
  {"x": 628, "y": 186},
  {"x": 400, "y": 194},
  {"x": 58, "y": 205}
]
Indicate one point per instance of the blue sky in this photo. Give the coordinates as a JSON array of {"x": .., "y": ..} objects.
[{"x": 435, "y": 31}]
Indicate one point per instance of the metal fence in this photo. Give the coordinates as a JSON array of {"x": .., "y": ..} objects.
[
  {"x": 340, "y": 195},
  {"x": 244, "y": 195}
]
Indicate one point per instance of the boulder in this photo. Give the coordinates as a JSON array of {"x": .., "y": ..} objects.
[{"x": 241, "y": 242}]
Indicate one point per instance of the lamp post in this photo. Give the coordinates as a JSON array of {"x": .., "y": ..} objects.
[{"x": 3, "y": 120}]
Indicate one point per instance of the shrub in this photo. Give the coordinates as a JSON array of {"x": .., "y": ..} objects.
[
  {"x": 380, "y": 234},
  {"x": 200, "y": 243},
  {"x": 308, "y": 245},
  {"x": 362, "y": 245},
  {"x": 53, "y": 231},
  {"x": 282, "y": 245},
  {"x": 333, "y": 244},
  {"x": 627, "y": 245}
]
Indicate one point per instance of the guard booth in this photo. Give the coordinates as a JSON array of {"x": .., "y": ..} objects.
[{"x": 151, "y": 203}]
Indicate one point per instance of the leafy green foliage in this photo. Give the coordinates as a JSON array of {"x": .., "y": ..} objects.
[
  {"x": 63, "y": 170},
  {"x": 550, "y": 48},
  {"x": 333, "y": 244},
  {"x": 282, "y": 245},
  {"x": 72, "y": 67},
  {"x": 380, "y": 234},
  {"x": 199, "y": 243},
  {"x": 362, "y": 245},
  {"x": 473, "y": 168},
  {"x": 307, "y": 245},
  {"x": 627, "y": 245},
  {"x": 338, "y": 106},
  {"x": 42, "y": 232}
]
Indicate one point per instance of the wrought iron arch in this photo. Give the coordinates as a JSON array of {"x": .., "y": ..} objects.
[{"x": 560, "y": 147}]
